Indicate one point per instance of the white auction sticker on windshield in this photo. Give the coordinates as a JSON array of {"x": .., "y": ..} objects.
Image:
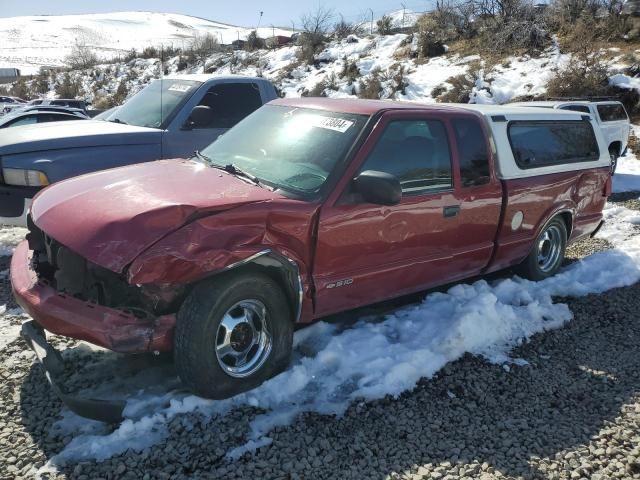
[
  {"x": 179, "y": 87},
  {"x": 331, "y": 123}
]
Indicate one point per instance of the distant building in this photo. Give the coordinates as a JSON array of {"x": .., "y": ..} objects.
[
  {"x": 277, "y": 41},
  {"x": 9, "y": 75}
]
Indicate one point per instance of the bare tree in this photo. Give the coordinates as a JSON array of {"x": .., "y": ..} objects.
[
  {"x": 316, "y": 24},
  {"x": 81, "y": 57},
  {"x": 342, "y": 29}
]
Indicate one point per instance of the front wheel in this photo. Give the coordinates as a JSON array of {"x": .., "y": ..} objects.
[
  {"x": 547, "y": 253},
  {"x": 232, "y": 334}
]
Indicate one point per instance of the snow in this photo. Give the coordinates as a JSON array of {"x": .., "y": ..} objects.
[
  {"x": 9, "y": 239},
  {"x": 8, "y": 332},
  {"x": 337, "y": 365},
  {"x": 627, "y": 177},
  {"x": 34, "y": 41},
  {"x": 624, "y": 81}
]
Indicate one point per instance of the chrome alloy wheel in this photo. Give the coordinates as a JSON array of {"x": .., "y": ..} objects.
[
  {"x": 549, "y": 248},
  {"x": 243, "y": 340}
]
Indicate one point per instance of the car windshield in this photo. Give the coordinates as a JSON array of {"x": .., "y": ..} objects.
[
  {"x": 294, "y": 149},
  {"x": 154, "y": 104}
]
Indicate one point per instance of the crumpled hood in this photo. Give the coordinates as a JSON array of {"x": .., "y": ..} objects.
[
  {"x": 110, "y": 217},
  {"x": 73, "y": 134}
]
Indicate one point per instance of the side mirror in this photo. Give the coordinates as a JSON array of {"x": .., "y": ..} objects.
[
  {"x": 201, "y": 117},
  {"x": 378, "y": 187}
]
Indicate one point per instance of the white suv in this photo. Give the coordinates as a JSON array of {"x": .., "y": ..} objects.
[{"x": 610, "y": 116}]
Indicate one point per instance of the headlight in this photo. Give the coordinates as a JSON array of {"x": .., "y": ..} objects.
[{"x": 24, "y": 178}]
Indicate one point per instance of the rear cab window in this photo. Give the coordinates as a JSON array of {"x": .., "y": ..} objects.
[
  {"x": 544, "y": 143},
  {"x": 612, "y": 112},
  {"x": 473, "y": 154}
]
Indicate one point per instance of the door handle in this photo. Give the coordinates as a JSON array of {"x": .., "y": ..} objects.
[{"x": 451, "y": 211}]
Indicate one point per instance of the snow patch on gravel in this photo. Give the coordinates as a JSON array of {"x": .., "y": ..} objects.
[
  {"x": 8, "y": 332},
  {"x": 10, "y": 238},
  {"x": 335, "y": 365},
  {"x": 11, "y": 323}
]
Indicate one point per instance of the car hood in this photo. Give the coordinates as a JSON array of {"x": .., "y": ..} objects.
[
  {"x": 73, "y": 134},
  {"x": 112, "y": 216}
]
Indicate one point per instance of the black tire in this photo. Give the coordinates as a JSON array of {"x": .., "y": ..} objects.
[
  {"x": 198, "y": 329},
  {"x": 613, "y": 154},
  {"x": 532, "y": 267}
]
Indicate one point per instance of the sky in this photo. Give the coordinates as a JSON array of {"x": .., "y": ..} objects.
[{"x": 245, "y": 13}]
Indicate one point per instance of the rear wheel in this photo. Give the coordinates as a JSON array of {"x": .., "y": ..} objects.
[
  {"x": 232, "y": 334},
  {"x": 613, "y": 155},
  {"x": 547, "y": 253}
]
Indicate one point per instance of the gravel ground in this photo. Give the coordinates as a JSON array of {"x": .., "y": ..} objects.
[{"x": 572, "y": 413}]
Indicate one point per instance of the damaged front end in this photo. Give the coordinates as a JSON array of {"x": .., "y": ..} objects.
[
  {"x": 70, "y": 296},
  {"x": 125, "y": 318}
]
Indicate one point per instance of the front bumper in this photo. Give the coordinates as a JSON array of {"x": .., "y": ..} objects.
[
  {"x": 15, "y": 203},
  {"x": 109, "y": 411},
  {"x": 71, "y": 317}
]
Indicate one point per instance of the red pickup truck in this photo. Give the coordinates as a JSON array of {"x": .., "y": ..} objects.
[{"x": 306, "y": 208}]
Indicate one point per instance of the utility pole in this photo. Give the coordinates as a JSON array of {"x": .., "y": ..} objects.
[
  {"x": 260, "y": 20},
  {"x": 371, "y": 29},
  {"x": 293, "y": 26}
]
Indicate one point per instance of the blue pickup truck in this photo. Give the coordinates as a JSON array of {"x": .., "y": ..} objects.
[{"x": 170, "y": 118}]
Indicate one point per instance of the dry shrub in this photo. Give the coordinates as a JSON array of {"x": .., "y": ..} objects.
[
  {"x": 350, "y": 71},
  {"x": 320, "y": 89},
  {"x": 579, "y": 80},
  {"x": 20, "y": 89},
  {"x": 69, "y": 87},
  {"x": 458, "y": 89},
  {"x": 385, "y": 25},
  {"x": 254, "y": 42},
  {"x": 343, "y": 29},
  {"x": 586, "y": 74},
  {"x": 370, "y": 88},
  {"x": 429, "y": 46},
  {"x": 529, "y": 34}
]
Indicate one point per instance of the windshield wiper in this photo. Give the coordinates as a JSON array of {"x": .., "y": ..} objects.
[
  {"x": 229, "y": 168},
  {"x": 117, "y": 120},
  {"x": 201, "y": 156},
  {"x": 233, "y": 170}
]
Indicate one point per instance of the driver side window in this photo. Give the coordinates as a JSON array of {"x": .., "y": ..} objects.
[
  {"x": 417, "y": 153},
  {"x": 229, "y": 103}
]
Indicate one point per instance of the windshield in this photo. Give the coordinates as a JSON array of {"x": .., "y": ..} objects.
[
  {"x": 154, "y": 104},
  {"x": 290, "y": 148}
]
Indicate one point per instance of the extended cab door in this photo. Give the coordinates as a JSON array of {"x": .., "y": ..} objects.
[
  {"x": 368, "y": 253},
  {"x": 219, "y": 108}
]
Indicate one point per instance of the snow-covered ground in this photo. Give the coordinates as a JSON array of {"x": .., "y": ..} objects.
[
  {"x": 28, "y": 43},
  {"x": 627, "y": 177}
]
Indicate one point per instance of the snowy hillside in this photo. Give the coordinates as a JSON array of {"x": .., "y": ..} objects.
[
  {"x": 31, "y": 42},
  {"x": 344, "y": 68}
]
